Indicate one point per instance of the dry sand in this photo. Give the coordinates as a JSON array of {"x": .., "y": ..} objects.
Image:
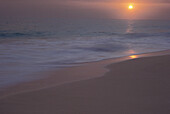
[{"x": 136, "y": 86}]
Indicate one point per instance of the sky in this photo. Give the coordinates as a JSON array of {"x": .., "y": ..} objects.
[{"x": 113, "y": 9}]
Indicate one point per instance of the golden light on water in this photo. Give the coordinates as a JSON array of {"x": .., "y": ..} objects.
[{"x": 133, "y": 56}]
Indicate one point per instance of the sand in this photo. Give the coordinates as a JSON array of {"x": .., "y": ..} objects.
[{"x": 135, "y": 86}]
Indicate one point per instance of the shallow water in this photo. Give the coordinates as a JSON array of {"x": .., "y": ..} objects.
[{"x": 28, "y": 47}]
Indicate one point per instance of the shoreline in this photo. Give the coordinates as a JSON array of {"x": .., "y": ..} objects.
[
  {"x": 59, "y": 77},
  {"x": 134, "y": 86}
]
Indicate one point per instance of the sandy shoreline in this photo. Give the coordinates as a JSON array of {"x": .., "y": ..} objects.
[{"x": 139, "y": 86}]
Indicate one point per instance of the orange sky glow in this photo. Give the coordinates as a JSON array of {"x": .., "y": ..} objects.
[
  {"x": 140, "y": 10},
  {"x": 114, "y": 9}
]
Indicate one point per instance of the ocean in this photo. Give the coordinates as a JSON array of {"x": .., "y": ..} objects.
[{"x": 31, "y": 46}]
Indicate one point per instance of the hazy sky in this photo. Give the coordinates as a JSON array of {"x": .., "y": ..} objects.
[{"x": 115, "y": 9}]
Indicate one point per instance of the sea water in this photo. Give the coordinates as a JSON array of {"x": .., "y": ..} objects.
[{"x": 30, "y": 46}]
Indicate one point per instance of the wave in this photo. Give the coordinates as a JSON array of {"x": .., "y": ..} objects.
[
  {"x": 21, "y": 34},
  {"x": 166, "y": 34},
  {"x": 132, "y": 35},
  {"x": 105, "y": 33},
  {"x": 103, "y": 48}
]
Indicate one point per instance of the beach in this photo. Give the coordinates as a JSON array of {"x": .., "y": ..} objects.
[
  {"x": 139, "y": 85},
  {"x": 84, "y": 57}
]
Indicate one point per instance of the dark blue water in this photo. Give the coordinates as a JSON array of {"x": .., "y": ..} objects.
[{"x": 28, "y": 47}]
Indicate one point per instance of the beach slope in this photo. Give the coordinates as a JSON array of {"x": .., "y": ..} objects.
[{"x": 136, "y": 86}]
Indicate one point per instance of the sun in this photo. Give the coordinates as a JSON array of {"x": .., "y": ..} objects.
[{"x": 130, "y": 6}]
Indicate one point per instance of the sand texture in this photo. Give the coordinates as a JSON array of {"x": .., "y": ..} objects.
[{"x": 137, "y": 86}]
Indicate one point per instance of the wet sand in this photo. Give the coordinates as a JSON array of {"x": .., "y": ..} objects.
[{"x": 134, "y": 86}]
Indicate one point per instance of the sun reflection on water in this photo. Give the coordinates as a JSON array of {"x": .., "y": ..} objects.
[
  {"x": 133, "y": 56},
  {"x": 130, "y": 25}
]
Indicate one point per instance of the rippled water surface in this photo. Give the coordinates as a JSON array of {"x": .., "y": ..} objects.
[{"x": 27, "y": 47}]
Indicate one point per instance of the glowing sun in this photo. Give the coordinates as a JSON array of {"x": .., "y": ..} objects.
[{"x": 130, "y": 6}]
